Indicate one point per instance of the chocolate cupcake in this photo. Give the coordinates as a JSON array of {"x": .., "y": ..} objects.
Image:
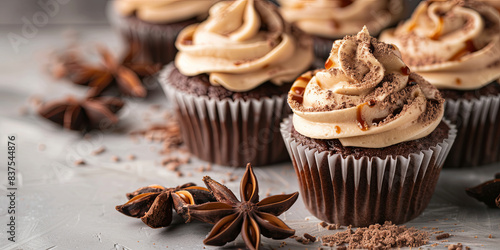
[
  {"x": 331, "y": 20},
  {"x": 154, "y": 25},
  {"x": 367, "y": 138},
  {"x": 455, "y": 45},
  {"x": 230, "y": 80}
]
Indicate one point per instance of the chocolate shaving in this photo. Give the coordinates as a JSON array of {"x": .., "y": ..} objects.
[
  {"x": 442, "y": 236},
  {"x": 310, "y": 237},
  {"x": 458, "y": 246}
]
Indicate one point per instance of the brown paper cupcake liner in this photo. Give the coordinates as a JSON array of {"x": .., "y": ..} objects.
[
  {"x": 230, "y": 132},
  {"x": 322, "y": 47},
  {"x": 361, "y": 192},
  {"x": 156, "y": 41},
  {"x": 478, "y": 136}
]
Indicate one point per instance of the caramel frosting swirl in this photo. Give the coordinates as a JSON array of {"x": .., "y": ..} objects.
[
  {"x": 163, "y": 11},
  {"x": 243, "y": 44},
  {"x": 365, "y": 97},
  {"x": 452, "y": 44},
  {"x": 337, "y": 18}
]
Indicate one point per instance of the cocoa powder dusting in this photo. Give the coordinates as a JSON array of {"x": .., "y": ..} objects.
[{"x": 377, "y": 237}]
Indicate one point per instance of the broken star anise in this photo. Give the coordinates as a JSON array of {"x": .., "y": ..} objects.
[
  {"x": 154, "y": 204},
  {"x": 488, "y": 192},
  {"x": 125, "y": 74},
  {"x": 250, "y": 216},
  {"x": 84, "y": 115}
]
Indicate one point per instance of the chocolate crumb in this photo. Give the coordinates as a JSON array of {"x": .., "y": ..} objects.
[
  {"x": 35, "y": 100},
  {"x": 79, "y": 162},
  {"x": 302, "y": 240},
  {"x": 323, "y": 224},
  {"x": 378, "y": 237},
  {"x": 173, "y": 163},
  {"x": 458, "y": 246},
  {"x": 23, "y": 110},
  {"x": 268, "y": 192},
  {"x": 115, "y": 158},
  {"x": 310, "y": 237},
  {"x": 442, "y": 236},
  {"x": 168, "y": 134},
  {"x": 131, "y": 157},
  {"x": 489, "y": 236},
  {"x": 99, "y": 151},
  {"x": 333, "y": 227}
]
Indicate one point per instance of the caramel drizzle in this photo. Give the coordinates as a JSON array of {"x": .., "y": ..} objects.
[
  {"x": 439, "y": 29},
  {"x": 297, "y": 94},
  {"x": 329, "y": 64},
  {"x": 468, "y": 49},
  {"x": 303, "y": 78},
  {"x": 405, "y": 71},
  {"x": 362, "y": 124},
  {"x": 188, "y": 40},
  {"x": 337, "y": 129}
]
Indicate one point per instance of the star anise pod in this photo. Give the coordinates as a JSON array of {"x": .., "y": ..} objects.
[
  {"x": 85, "y": 114},
  {"x": 488, "y": 192},
  {"x": 250, "y": 216},
  {"x": 125, "y": 73},
  {"x": 154, "y": 204}
]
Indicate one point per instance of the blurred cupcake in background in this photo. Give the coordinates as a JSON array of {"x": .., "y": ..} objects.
[
  {"x": 230, "y": 82},
  {"x": 494, "y": 3},
  {"x": 367, "y": 138},
  {"x": 455, "y": 45},
  {"x": 154, "y": 24},
  {"x": 333, "y": 19}
]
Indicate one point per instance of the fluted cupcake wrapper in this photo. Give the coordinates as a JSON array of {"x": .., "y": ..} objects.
[
  {"x": 478, "y": 136},
  {"x": 230, "y": 132},
  {"x": 156, "y": 41},
  {"x": 369, "y": 190}
]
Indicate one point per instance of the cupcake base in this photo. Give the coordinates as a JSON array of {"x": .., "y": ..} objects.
[
  {"x": 224, "y": 127},
  {"x": 476, "y": 115},
  {"x": 361, "y": 190}
]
